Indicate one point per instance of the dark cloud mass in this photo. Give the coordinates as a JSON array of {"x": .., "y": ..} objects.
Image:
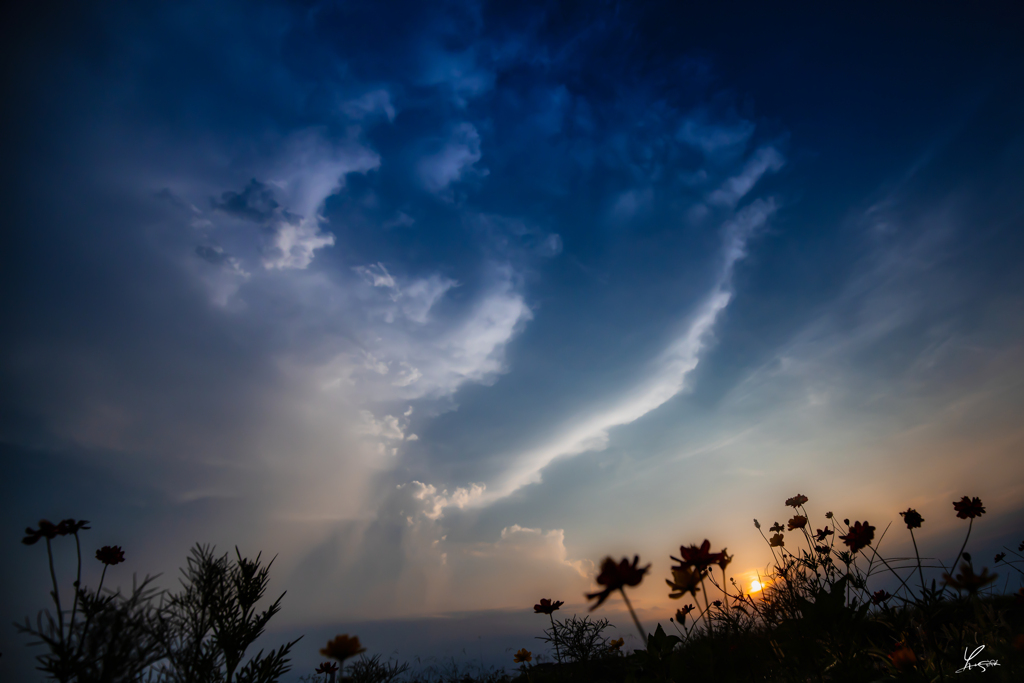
[
  {"x": 438, "y": 302},
  {"x": 255, "y": 203}
]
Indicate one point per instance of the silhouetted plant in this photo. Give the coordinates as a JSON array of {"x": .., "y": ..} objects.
[
  {"x": 815, "y": 617},
  {"x": 580, "y": 640},
  {"x": 208, "y": 627},
  {"x": 198, "y": 636},
  {"x": 371, "y": 670},
  {"x": 546, "y": 607},
  {"x": 115, "y": 642},
  {"x": 363, "y": 670},
  {"x": 615, "y": 577}
]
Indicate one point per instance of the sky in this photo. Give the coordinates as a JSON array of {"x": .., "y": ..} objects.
[{"x": 439, "y": 304}]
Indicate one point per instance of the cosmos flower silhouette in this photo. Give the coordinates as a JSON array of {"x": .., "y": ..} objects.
[
  {"x": 685, "y": 580},
  {"x": 71, "y": 526},
  {"x": 110, "y": 555},
  {"x": 724, "y": 559},
  {"x": 546, "y": 607},
  {"x": 701, "y": 558},
  {"x": 343, "y": 647},
  {"x": 615, "y": 576},
  {"x": 913, "y": 518},
  {"x": 47, "y": 530},
  {"x": 968, "y": 508},
  {"x": 683, "y": 611},
  {"x": 860, "y": 536}
]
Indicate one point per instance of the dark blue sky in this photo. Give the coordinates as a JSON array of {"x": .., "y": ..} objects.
[{"x": 443, "y": 302}]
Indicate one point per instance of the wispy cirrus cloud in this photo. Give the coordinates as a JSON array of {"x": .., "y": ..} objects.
[
  {"x": 764, "y": 160},
  {"x": 668, "y": 373}
]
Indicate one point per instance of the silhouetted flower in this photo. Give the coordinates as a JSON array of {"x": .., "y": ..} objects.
[
  {"x": 71, "y": 526},
  {"x": 327, "y": 668},
  {"x": 110, "y": 555},
  {"x": 821, "y": 534},
  {"x": 1000, "y": 557},
  {"x": 717, "y": 603},
  {"x": 686, "y": 580},
  {"x": 967, "y": 580},
  {"x": 682, "y": 612},
  {"x": 701, "y": 557},
  {"x": 616, "y": 644},
  {"x": 545, "y": 606},
  {"x": 828, "y": 515},
  {"x": 47, "y": 529},
  {"x": 724, "y": 559},
  {"x": 796, "y": 501},
  {"x": 878, "y": 597},
  {"x": 777, "y": 527},
  {"x": 968, "y": 508},
  {"x": 342, "y": 647},
  {"x": 860, "y": 536},
  {"x": 776, "y": 541},
  {"x": 903, "y": 657},
  {"x": 823, "y": 549},
  {"x": 798, "y": 522},
  {"x": 615, "y": 576},
  {"x": 523, "y": 655},
  {"x": 757, "y": 524},
  {"x": 913, "y": 518}
]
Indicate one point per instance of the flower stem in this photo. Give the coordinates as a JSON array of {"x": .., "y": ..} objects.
[
  {"x": 554, "y": 632},
  {"x": 88, "y": 617},
  {"x": 707, "y": 605},
  {"x": 78, "y": 583},
  {"x": 770, "y": 547},
  {"x": 56, "y": 593},
  {"x": 969, "y": 527},
  {"x": 677, "y": 626},
  {"x": 643, "y": 636},
  {"x": 920, "y": 573}
]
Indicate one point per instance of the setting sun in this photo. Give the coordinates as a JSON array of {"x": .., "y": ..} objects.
[{"x": 755, "y": 586}]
